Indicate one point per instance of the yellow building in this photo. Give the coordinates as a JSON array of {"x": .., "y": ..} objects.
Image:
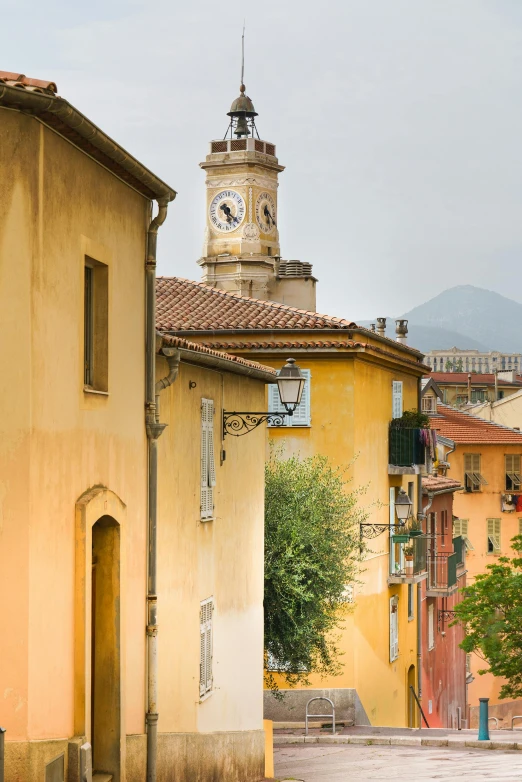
[
  {"x": 486, "y": 459},
  {"x": 112, "y": 574}
]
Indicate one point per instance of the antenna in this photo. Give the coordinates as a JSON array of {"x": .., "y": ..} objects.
[{"x": 243, "y": 54}]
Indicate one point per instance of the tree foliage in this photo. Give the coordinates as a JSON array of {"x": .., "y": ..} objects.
[
  {"x": 492, "y": 614},
  {"x": 312, "y": 549}
]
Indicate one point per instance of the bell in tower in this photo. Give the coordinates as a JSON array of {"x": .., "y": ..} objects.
[{"x": 242, "y": 115}]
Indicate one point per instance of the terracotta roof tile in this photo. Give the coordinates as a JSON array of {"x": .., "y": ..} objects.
[
  {"x": 179, "y": 342},
  {"x": 461, "y": 378},
  {"x": 183, "y": 305},
  {"x": 463, "y": 427},
  {"x": 23, "y": 82},
  {"x": 439, "y": 483}
]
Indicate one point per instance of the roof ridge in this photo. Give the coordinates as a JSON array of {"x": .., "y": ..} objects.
[{"x": 262, "y": 304}]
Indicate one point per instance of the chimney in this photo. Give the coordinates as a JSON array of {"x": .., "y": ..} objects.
[
  {"x": 401, "y": 329},
  {"x": 469, "y": 388},
  {"x": 372, "y": 326},
  {"x": 381, "y": 327}
]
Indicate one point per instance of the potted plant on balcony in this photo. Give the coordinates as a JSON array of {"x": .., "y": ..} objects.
[
  {"x": 414, "y": 528},
  {"x": 408, "y": 556},
  {"x": 402, "y": 536}
]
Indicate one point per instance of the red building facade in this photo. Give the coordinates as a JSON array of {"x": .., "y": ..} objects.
[{"x": 443, "y": 662}]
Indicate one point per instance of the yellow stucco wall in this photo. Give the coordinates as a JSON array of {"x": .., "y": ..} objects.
[
  {"x": 56, "y": 205},
  {"x": 351, "y": 407},
  {"x": 222, "y": 558}
]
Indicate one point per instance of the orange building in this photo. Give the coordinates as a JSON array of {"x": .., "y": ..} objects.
[{"x": 486, "y": 458}]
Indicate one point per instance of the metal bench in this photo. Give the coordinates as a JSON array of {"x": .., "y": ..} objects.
[{"x": 322, "y": 716}]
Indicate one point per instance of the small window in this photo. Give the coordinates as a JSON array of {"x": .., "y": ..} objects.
[
  {"x": 460, "y": 527},
  {"x": 429, "y": 404},
  {"x": 301, "y": 416},
  {"x": 411, "y": 605},
  {"x": 461, "y": 399},
  {"x": 473, "y": 479},
  {"x": 493, "y": 536},
  {"x": 431, "y": 626},
  {"x": 443, "y": 526},
  {"x": 397, "y": 408},
  {"x": 205, "y": 644},
  {"x": 394, "y": 628},
  {"x": 96, "y": 325},
  {"x": 478, "y": 395},
  {"x": 208, "y": 468},
  {"x": 512, "y": 469}
]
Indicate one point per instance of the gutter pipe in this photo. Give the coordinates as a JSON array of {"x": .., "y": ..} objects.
[
  {"x": 420, "y": 514},
  {"x": 154, "y": 430}
]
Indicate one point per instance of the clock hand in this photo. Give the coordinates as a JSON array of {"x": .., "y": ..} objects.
[
  {"x": 267, "y": 214},
  {"x": 226, "y": 209}
]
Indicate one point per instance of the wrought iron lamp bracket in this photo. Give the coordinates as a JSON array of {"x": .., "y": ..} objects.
[
  {"x": 238, "y": 424},
  {"x": 446, "y": 614},
  {"x": 374, "y": 530}
]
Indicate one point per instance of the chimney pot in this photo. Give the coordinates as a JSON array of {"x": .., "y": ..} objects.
[
  {"x": 372, "y": 326},
  {"x": 381, "y": 327},
  {"x": 401, "y": 329}
]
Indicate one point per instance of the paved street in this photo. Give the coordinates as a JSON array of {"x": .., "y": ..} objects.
[{"x": 353, "y": 763}]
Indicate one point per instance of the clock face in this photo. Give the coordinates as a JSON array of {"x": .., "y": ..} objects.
[
  {"x": 266, "y": 213},
  {"x": 227, "y": 210}
]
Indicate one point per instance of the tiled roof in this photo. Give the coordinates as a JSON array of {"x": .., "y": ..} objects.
[
  {"x": 24, "y": 83},
  {"x": 461, "y": 378},
  {"x": 179, "y": 342},
  {"x": 466, "y": 428},
  {"x": 183, "y": 305},
  {"x": 439, "y": 483}
]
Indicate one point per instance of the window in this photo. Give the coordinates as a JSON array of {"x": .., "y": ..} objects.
[
  {"x": 462, "y": 399},
  {"x": 520, "y": 526},
  {"x": 394, "y": 628},
  {"x": 208, "y": 469},
  {"x": 429, "y": 404},
  {"x": 431, "y": 626},
  {"x": 493, "y": 536},
  {"x": 443, "y": 526},
  {"x": 512, "y": 469},
  {"x": 396, "y": 398},
  {"x": 411, "y": 609},
  {"x": 473, "y": 480},
  {"x": 95, "y": 325},
  {"x": 460, "y": 527},
  {"x": 478, "y": 395},
  {"x": 301, "y": 416},
  {"x": 205, "y": 644}
]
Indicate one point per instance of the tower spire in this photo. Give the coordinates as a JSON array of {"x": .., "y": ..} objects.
[{"x": 243, "y": 57}]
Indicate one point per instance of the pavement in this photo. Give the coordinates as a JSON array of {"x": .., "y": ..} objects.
[{"x": 314, "y": 762}]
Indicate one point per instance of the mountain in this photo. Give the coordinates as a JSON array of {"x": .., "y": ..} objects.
[
  {"x": 478, "y": 315},
  {"x": 465, "y": 317}
]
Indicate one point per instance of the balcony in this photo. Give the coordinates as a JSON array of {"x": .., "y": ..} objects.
[
  {"x": 442, "y": 574},
  {"x": 405, "y": 451},
  {"x": 408, "y": 561}
]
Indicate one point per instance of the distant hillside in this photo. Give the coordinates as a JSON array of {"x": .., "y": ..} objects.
[
  {"x": 465, "y": 317},
  {"x": 480, "y": 316}
]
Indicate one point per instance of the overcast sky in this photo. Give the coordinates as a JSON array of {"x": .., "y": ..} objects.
[{"x": 399, "y": 123}]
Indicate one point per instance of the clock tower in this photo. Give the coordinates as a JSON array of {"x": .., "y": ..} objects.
[{"x": 241, "y": 252}]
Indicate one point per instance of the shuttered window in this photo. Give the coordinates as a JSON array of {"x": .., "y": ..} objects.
[
  {"x": 431, "y": 626},
  {"x": 205, "y": 643},
  {"x": 513, "y": 476},
  {"x": 493, "y": 536},
  {"x": 394, "y": 628},
  {"x": 520, "y": 526},
  {"x": 473, "y": 479},
  {"x": 429, "y": 404},
  {"x": 460, "y": 527},
  {"x": 208, "y": 467},
  {"x": 397, "y": 399},
  {"x": 301, "y": 416}
]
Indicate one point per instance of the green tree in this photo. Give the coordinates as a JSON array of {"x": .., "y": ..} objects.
[
  {"x": 492, "y": 614},
  {"x": 459, "y": 366},
  {"x": 312, "y": 553}
]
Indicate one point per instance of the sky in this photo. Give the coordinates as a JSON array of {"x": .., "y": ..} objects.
[{"x": 399, "y": 123}]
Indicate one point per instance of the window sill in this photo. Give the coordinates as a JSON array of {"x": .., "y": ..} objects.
[
  {"x": 89, "y": 390},
  {"x": 206, "y": 696},
  {"x": 205, "y": 521},
  {"x": 296, "y": 426}
]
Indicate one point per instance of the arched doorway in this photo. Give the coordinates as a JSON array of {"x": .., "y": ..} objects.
[
  {"x": 412, "y": 705},
  {"x": 105, "y": 692}
]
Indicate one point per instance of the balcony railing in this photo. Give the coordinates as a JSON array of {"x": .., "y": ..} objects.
[
  {"x": 405, "y": 447},
  {"x": 409, "y": 568},
  {"x": 442, "y": 572}
]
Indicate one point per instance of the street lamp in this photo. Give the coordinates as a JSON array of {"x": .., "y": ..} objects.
[
  {"x": 290, "y": 384},
  {"x": 403, "y": 506}
]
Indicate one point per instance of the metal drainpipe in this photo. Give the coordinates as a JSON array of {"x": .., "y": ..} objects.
[
  {"x": 419, "y": 589},
  {"x": 154, "y": 430}
]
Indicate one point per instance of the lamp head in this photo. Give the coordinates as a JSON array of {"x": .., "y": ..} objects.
[{"x": 290, "y": 382}]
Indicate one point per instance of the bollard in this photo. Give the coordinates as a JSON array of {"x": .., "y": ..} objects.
[
  {"x": 2, "y": 735},
  {"x": 483, "y": 720}
]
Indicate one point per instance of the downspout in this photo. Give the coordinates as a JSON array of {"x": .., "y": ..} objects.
[
  {"x": 421, "y": 516},
  {"x": 154, "y": 430}
]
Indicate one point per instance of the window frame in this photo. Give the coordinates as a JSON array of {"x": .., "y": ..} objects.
[
  {"x": 394, "y": 628},
  {"x": 206, "y": 647},
  {"x": 431, "y": 627},
  {"x": 207, "y": 460},
  {"x": 411, "y": 603},
  {"x": 432, "y": 407},
  {"x": 493, "y": 538},
  {"x": 512, "y": 472},
  {"x": 473, "y": 478},
  {"x": 95, "y": 326},
  {"x": 397, "y": 399}
]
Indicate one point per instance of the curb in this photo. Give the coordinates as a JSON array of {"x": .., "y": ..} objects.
[{"x": 399, "y": 741}]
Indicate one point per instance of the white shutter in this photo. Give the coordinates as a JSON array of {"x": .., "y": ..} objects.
[
  {"x": 431, "y": 626},
  {"x": 494, "y": 534},
  {"x": 208, "y": 472},
  {"x": 205, "y": 641},
  {"x": 394, "y": 628},
  {"x": 397, "y": 399},
  {"x": 274, "y": 403}
]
